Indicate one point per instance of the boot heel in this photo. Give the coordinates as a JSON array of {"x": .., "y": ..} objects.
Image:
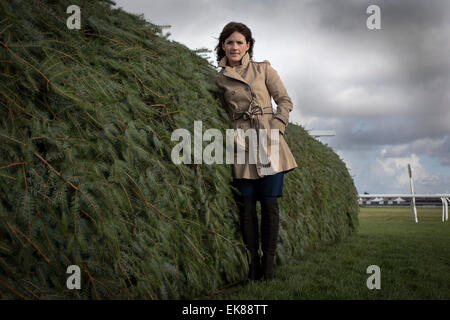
[
  {"x": 267, "y": 267},
  {"x": 255, "y": 269}
]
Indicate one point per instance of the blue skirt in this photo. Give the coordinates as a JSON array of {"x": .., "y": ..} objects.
[{"x": 267, "y": 186}]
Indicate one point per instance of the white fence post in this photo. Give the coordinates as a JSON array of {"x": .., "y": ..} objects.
[
  {"x": 447, "y": 202},
  {"x": 446, "y": 213},
  {"x": 413, "y": 202}
]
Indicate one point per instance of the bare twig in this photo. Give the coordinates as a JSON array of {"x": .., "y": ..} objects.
[{"x": 13, "y": 164}]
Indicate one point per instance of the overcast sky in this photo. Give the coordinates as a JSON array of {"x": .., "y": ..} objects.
[{"x": 384, "y": 92}]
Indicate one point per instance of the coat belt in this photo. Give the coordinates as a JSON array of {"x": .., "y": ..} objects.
[
  {"x": 252, "y": 112},
  {"x": 252, "y": 115}
]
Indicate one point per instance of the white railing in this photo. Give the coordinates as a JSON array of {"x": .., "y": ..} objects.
[{"x": 445, "y": 198}]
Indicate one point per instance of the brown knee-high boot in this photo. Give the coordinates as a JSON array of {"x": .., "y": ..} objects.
[
  {"x": 270, "y": 221},
  {"x": 250, "y": 235}
]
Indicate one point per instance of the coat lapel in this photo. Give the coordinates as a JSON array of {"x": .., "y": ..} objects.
[{"x": 231, "y": 72}]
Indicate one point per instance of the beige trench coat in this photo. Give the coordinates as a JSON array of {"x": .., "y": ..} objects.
[{"x": 245, "y": 93}]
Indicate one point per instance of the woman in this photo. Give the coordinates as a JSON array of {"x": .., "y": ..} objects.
[{"x": 246, "y": 88}]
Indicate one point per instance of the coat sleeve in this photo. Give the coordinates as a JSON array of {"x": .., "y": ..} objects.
[
  {"x": 220, "y": 96},
  {"x": 224, "y": 105},
  {"x": 280, "y": 96}
]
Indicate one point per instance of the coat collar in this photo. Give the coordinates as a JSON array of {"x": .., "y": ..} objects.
[
  {"x": 244, "y": 61},
  {"x": 232, "y": 71}
]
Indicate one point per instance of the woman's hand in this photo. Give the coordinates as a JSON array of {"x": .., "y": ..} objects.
[{"x": 276, "y": 123}]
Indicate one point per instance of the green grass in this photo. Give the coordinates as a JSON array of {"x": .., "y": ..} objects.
[{"x": 414, "y": 259}]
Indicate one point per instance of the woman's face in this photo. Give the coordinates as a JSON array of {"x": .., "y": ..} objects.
[{"x": 235, "y": 47}]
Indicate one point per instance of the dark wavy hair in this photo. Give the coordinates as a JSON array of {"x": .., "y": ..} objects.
[{"x": 228, "y": 31}]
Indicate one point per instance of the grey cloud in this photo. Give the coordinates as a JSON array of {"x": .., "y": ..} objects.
[
  {"x": 356, "y": 133},
  {"x": 437, "y": 148}
]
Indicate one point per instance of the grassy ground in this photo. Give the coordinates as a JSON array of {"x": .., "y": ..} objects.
[{"x": 414, "y": 259}]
